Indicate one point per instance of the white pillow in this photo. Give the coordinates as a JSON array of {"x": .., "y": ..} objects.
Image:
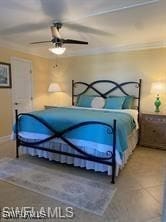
[{"x": 98, "y": 102}]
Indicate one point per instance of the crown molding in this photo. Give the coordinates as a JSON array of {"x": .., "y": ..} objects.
[
  {"x": 86, "y": 52},
  {"x": 120, "y": 48},
  {"x": 24, "y": 49}
]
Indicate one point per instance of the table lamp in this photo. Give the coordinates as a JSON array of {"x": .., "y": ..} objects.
[{"x": 158, "y": 88}]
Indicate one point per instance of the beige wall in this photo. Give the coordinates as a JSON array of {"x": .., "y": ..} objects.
[
  {"x": 40, "y": 77},
  {"x": 150, "y": 65}
]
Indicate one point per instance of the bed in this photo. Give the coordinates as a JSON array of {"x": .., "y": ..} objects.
[{"x": 91, "y": 133}]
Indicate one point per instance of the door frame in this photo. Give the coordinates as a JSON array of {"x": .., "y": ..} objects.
[{"x": 31, "y": 82}]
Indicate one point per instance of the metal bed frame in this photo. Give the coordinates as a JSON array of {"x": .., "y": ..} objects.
[{"x": 110, "y": 159}]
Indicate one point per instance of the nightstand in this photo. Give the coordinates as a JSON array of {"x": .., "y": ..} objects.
[{"x": 153, "y": 130}]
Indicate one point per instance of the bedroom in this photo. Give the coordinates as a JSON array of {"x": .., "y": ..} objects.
[{"x": 126, "y": 42}]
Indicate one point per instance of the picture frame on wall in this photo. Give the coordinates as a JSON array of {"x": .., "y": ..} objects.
[{"x": 5, "y": 75}]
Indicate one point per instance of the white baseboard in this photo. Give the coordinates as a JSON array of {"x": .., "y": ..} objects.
[{"x": 4, "y": 139}]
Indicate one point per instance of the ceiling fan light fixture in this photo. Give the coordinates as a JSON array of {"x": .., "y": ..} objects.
[{"x": 57, "y": 50}]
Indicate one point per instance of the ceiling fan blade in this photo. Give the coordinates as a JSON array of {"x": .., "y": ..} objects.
[
  {"x": 55, "y": 32},
  {"x": 72, "y": 41},
  {"x": 33, "y": 43}
]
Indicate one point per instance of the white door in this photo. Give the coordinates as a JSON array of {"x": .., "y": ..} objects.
[{"x": 22, "y": 97}]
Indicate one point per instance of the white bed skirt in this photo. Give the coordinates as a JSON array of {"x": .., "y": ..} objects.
[{"x": 89, "y": 165}]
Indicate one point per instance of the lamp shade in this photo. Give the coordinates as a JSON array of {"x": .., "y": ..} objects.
[
  {"x": 54, "y": 87},
  {"x": 158, "y": 87}
]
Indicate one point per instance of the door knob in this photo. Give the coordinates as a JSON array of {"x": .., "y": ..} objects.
[{"x": 16, "y": 103}]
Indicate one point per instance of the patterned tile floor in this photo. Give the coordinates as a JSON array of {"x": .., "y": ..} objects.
[{"x": 139, "y": 197}]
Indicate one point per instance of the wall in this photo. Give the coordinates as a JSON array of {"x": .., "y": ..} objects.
[
  {"x": 40, "y": 77},
  {"x": 150, "y": 65}
]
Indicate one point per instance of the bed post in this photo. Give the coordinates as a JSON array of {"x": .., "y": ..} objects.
[
  {"x": 139, "y": 98},
  {"x": 16, "y": 132},
  {"x": 72, "y": 92},
  {"x": 114, "y": 153},
  {"x": 139, "y": 104}
]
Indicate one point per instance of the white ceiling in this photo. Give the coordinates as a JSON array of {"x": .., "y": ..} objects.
[{"x": 108, "y": 25}]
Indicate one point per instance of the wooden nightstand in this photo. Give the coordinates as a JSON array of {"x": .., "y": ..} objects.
[{"x": 153, "y": 130}]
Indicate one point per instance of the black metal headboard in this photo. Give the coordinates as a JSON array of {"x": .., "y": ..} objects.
[{"x": 113, "y": 87}]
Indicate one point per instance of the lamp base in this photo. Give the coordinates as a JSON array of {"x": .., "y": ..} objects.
[{"x": 157, "y": 104}]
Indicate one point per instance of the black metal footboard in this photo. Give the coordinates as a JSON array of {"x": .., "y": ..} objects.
[{"x": 109, "y": 160}]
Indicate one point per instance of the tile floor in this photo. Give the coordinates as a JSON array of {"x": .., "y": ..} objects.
[{"x": 139, "y": 196}]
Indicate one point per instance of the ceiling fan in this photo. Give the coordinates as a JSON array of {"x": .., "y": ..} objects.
[{"x": 58, "y": 41}]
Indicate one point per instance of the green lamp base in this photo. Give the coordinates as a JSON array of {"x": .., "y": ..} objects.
[{"x": 157, "y": 104}]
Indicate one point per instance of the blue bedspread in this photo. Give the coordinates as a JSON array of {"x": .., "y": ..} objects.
[{"x": 62, "y": 118}]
